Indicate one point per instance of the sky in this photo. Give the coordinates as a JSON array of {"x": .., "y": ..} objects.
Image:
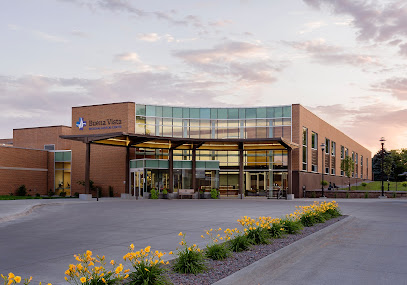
[{"x": 344, "y": 60}]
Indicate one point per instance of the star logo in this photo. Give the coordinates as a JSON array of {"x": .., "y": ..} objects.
[{"x": 81, "y": 123}]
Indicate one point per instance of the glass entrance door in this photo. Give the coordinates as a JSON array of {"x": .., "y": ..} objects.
[{"x": 137, "y": 183}]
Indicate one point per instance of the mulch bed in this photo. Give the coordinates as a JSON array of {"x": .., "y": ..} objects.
[{"x": 219, "y": 269}]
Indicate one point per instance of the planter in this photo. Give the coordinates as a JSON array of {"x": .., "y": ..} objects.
[
  {"x": 85, "y": 197},
  {"x": 290, "y": 196},
  {"x": 202, "y": 196},
  {"x": 165, "y": 196},
  {"x": 147, "y": 195}
]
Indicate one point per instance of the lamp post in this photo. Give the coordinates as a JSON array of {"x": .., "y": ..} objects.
[
  {"x": 323, "y": 159},
  {"x": 382, "y": 140}
]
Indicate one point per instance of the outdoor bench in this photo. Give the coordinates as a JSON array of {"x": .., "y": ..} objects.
[{"x": 185, "y": 192}]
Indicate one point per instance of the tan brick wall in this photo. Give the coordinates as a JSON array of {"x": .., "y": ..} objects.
[
  {"x": 304, "y": 118},
  {"x": 107, "y": 113},
  {"x": 32, "y": 161},
  {"x": 36, "y": 138}
]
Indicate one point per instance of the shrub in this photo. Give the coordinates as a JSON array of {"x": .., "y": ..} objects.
[
  {"x": 217, "y": 251},
  {"x": 92, "y": 271},
  {"x": 364, "y": 184},
  {"x": 324, "y": 183},
  {"x": 51, "y": 193},
  {"x": 147, "y": 266},
  {"x": 394, "y": 194},
  {"x": 347, "y": 194},
  {"x": 214, "y": 193},
  {"x": 308, "y": 220},
  {"x": 276, "y": 230},
  {"x": 334, "y": 212},
  {"x": 37, "y": 195},
  {"x": 404, "y": 184},
  {"x": 239, "y": 243},
  {"x": 313, "y": 194},
  {"x": 165, "y": 191},
  {"x": 190, "y": 258},
  {"x": 76, "y": 194},
  {"x": 366, "y": 194},
  {"x": 154, "y": 194},
  {"x": 258, "y": 236},
  {"x": 62, "y": 194},
  {"x": 111, "y": 193},
  {"x": 336, "y": 195},
  {"x": 291, "y": 227},
  {"x": 21, "y": 190}
]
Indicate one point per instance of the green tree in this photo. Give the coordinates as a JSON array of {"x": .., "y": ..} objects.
[{"x": 348, "y": 167}]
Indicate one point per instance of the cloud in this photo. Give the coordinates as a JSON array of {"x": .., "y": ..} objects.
[
  {"x": 374, "y": 22},
  {"x": 154, "y": 37},
  {"x": 397, "y": 86},
  {"x": 358, "y": 122},
  {"x": 311, "y": 26},
  {"x": 329, "y": 54},
  {"x": 220, "y": 23},
  {"x": 128, "y": 56},
  {"x": 48, "y": 37},
  {"x": 77, "y": 33},
  {"x": 241, "y": 61}
]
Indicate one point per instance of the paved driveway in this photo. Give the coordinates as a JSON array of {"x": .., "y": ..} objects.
[{"x": 42, "y": 244}]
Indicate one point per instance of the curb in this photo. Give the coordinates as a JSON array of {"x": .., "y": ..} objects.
[
  {"x": 23, "y": 213},
  {"x": 275, "y": 260}
]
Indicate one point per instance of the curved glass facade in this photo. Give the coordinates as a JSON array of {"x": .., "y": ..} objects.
[{"x": 214, "y": 123}]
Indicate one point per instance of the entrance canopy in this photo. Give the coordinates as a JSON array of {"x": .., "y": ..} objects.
[{"x": 154, "y": 142}]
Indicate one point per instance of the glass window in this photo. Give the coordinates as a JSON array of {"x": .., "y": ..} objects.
[
  {"x": 159, "y": 111},
  {"x": 342, "y": 152},
  {"x": 304, "y": 148},
  {"x": 140, "y": 125},
  {"x": 213, "y": 129},
  {"x": 270, "y": 112},
  {"x": 314, "y": 140},
  {"x": 214, "y": 113},
  {"x": 140, "y": 110},
  {"x": 242, "y": 113},
  {"x": 222, "y": 113},
  {"x": 177, "y": 112},
  {"x": 150, "y": 111},
  {"x": 49, "y": 146},
  {"x": 261, "y": 113},
  {"x": 185, "y": 128},
  {"x": 333, "y": 148},
  {"x": 167, "y": 112},
  {"x": 205, "y": 113},
  {"x": 287, "y": 111},
  {"x": 251, "y": 113},
  {"x": 304, "y": 136},
  {"x": 241, "y": 129},
  {"x": 233, "y": 114},
  {"x": 278, "y": 112},
  {"x": 286, "y": 122},
  {"x": 185, "y": 113},
  {"x": 327, "y": 145},
  {"x": 194, "y": 113}
]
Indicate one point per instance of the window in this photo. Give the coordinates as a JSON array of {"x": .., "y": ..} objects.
[
  {"x": 353, "y": 159},
  {"x": 314, "y": 140},
  {"x": 342, "y": 152},
  {"x": 333, "y": 148},
  {"x": 327, "y": 146},
  {"x": 49, "y": 146},
  {"x": 304, "y": 148}
]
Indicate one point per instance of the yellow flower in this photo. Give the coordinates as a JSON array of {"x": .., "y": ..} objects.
[
  {"x": 11, "y": 275},
  {"x": 202, "y": 236},
  {"x": 29, "y": 280},
  {"x": 146, "y": 269},
  {"x": 180, "y": 234},
  {"x": 132, "y": 246},
  {"x": 103, "y": 279},
  {"x": 112, "y": 262},
  {"x": 10, "y": 281},
  {"x": 91, "y": 263},
  {"x": 147, "y": 249},
  {"x": 170, "y": 252},
  {"x": 83, "y": 279},
  {"x": 17, "y": 279},
  {"x": 66, "y": 278},
  {"x": 119, "y": 269}
]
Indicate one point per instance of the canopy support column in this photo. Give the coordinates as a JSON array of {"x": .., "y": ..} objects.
[
  {"x": 241, "y": 167},
  {"x": 171, "y": 170},
  {"x": 87, "y": 168},
  {"x": 194, "y": 169},
  {"x": 127, "y": 185}
]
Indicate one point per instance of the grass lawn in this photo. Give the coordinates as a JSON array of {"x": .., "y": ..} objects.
[
  {"x": 377, "y": 185},
  {"x": 8, "y": 197}
]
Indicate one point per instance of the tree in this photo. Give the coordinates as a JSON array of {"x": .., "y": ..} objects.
[{"x": 348, "y": 167}]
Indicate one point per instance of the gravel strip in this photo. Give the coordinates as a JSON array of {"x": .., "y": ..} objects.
[{"x": 219, "y": 269}]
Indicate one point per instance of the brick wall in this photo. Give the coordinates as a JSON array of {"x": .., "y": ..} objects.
[
  {"x": 36, "y": 138},
  {"x": 23, "y": 166},
  {"x": 304, "y": 118}
]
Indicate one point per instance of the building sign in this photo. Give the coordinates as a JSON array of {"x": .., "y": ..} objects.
[{"x": 99, "y": 124}]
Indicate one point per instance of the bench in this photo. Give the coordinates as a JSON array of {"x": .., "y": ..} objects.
[{"x": 185, "y": 192}]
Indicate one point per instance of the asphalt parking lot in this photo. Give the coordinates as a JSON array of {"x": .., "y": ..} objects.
[{"x": 42, "y": 243}]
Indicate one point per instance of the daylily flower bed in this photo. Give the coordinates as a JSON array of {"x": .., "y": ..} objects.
[{"x": 227, "y": 251}]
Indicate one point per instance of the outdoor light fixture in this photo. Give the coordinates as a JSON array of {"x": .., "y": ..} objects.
[
  {"x": 382, "y": 140},
  {"x": 323, "y": 158}
]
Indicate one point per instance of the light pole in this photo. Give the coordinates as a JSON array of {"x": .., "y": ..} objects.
[
  {"x": 382, "y": 140},
  {"x": 323, "y": 158}
]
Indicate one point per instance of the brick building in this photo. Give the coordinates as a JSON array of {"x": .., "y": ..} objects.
[{"x": 133, "y": 148}]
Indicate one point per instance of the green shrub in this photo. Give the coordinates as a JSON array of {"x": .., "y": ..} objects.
[
  {"x": 217, "y": 251},
  {"x": 214, "y": 193},
  {"x": 334, "y": 212},
  {"x": 154, "y": 194},
  {"x": 37, "y": 195},
  {"x": 111, "y": 191},
  {"x": 21, "y": 190},
  {"x": 239, "y": 243},
  {"x": 258, "y": 236},
  {"x": 347, "y": 194},
  {"x": 394, "y": 194},
  {"x": 336, "y": 195},
  {"x": 62, "y": 194},
  {"x": 313, "y": 194},
  {"x": 366, "y": 194},
  {"x": 404, "y": 184},
  {"x": 190, "y": 258},
  {"x": 320, "y": 217},
  {"x": 291, "y": 227},
  {"x": 276, "y": 230},
  {"x": 76, "y": 194},
  {"x": 147, "y": 275},
  {"x": 364, "y": 184},
  {"x": 51, "y": 193},
  {"x": 308, "y": 220},
  {"x": 324, "y": 183},
  {"x": 165, "y": 191}
]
